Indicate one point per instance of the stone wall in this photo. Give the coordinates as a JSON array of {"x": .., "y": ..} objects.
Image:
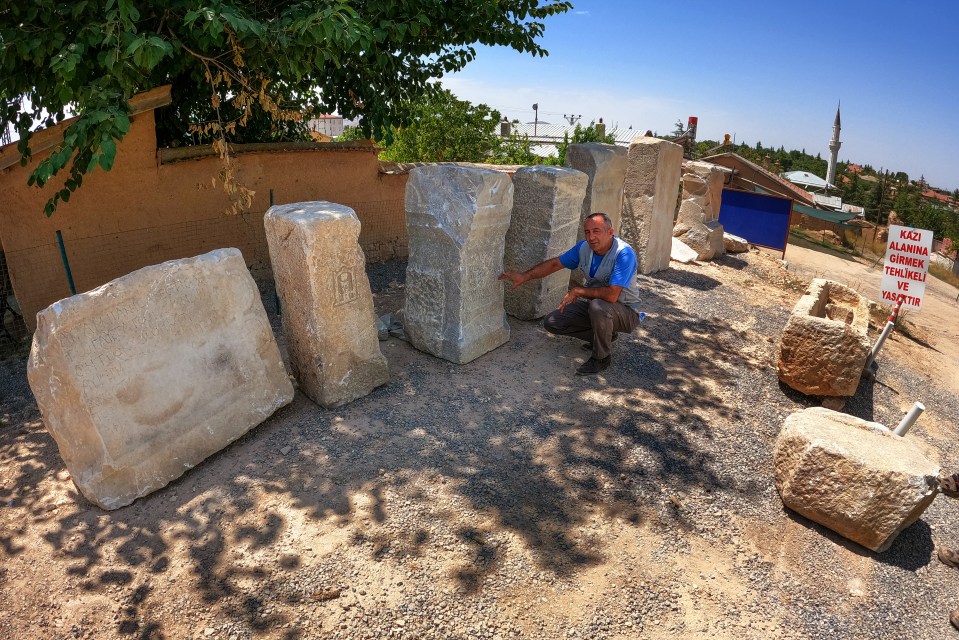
[{"x": 145, "y": 211}]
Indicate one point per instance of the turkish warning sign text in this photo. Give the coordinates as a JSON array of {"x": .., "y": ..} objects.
[{"x": 906, "y": 266}]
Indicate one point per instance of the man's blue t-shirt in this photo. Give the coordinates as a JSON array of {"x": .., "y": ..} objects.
[{"x": 623, "y": 270}]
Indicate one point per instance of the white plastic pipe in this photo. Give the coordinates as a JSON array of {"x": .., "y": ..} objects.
[
  {"x": 909, "y": 419},
  {"x": 882, "y": 338}
]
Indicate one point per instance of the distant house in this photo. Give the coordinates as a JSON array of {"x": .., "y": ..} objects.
[
  {"x": 327, "y": 125},
  {"x": 809, "y": 181},
  {"x": 545, "y": 137},
  {"x": 939, "y": 197},
  {"x": 808, "y": 210}
]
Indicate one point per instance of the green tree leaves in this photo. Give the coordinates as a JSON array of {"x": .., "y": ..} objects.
[
  {"x": 226, "y": 57},
  {"x": 442, "y": 128}
]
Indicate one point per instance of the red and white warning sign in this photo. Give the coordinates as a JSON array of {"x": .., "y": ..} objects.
[{"x": 906, "y": 266}]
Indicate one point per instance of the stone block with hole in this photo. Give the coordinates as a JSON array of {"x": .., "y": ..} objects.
[{"x": 825, "y": 342}]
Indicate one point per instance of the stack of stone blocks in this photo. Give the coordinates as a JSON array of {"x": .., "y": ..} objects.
[
  {"x": 825, "y": 342},
  {"x": 697, "y": 219}
]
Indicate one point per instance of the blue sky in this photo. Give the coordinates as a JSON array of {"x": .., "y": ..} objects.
[{"x": 771, "y": 72}]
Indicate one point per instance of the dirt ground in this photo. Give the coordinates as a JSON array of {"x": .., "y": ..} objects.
[{"x": 506, "y": 498}]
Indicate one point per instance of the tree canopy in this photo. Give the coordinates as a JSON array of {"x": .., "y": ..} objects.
[
  {"x": 443, "y": 128},
  {"x": 226, "y": 59}
]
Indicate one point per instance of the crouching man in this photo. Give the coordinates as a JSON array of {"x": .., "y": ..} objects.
[{"x": 608, "y": 303}]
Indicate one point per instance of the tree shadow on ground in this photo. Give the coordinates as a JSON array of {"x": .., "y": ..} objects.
[
  {"x": 911, "y": 550},
  {"x": 536, "y": 465}
]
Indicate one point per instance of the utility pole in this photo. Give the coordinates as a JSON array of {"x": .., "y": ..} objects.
[
  {"x": 572, "y": 119},
  {"x": 535, "y": 118}
]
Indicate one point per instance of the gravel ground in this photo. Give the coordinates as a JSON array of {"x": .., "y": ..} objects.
[{"x": 500, "y": 499}]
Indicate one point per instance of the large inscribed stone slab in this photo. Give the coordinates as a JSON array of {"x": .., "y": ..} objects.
[
  {"x": 650, "y": 193},
  {"x": 456, "y": 220},
  {"x": 328, "y": 318},
  {"x": 547, "y": 204},
  {"x": 146, "y": 376}
]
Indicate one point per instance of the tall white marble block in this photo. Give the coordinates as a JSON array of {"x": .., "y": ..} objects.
[
  {"x": 650, "y": 193},
  {"x": 605, "y": 165},
  {"x": 456, "y": 220},
  {"x": 325, "y": 298},
  {"x": 143, "y": 378},
  {"x": 547, "y": 204}
]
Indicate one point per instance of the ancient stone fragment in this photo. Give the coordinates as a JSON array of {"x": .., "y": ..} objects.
[
  {"x": 705, "y": 241},
  {"x": 456, "y": 220},
  {"x": 605, "y": 166},
  {"x": 547, "y": 202},
  {"x": 680, "y": 252},
  {"x": 328, "y": 318},
  {"x": 825, "y": 343},
  {"x": 734, "y": 244},
  {"x": 697, "y": 218},
  {"x": 650, "y": 192},
  {"x": 852, "y": 476},
  {"x": 702, "y": 185},
  {"x": 146, "y": 376}
]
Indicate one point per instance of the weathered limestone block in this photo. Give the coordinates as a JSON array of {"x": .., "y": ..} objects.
[
  {"x": 734, "y": 244},
  {"x": 704, "y": 181},
  {"x": 825, "y": 342},
  {"x": 456, "y": 219},
  {"x": 328, "y": 318},
  {"x": 692, "y": 211},
  {"x": 605, "y": 166},
  {"x": 650, "y": 191},
  {"x": 706, "y": 240},
  {"x": 144, "y": 377},
  {"x": 852, "y": 476},
  {"x": 547, "y": 202},
  {"x": 680, "y": 252}
]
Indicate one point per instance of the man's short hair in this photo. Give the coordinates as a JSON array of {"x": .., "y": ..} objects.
[{"x": 605, "y": 218}]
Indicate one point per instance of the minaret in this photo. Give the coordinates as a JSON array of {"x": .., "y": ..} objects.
[{"x": 834, "y": 145}]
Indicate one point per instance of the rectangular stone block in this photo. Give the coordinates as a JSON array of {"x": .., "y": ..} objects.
[
  {"x": 650, "y": 195},
  {"x": 456, "y": 220},
  {"x": 146, "y": 376},
  {"x": 853, "y": 476},
  {"x": 547, "y": 204},
  {"x": 825, "y": 342},
  {"x": 605, "y": 166},
  {"x": 328, "y": 318}
]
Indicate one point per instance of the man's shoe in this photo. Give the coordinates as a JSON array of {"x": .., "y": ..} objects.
[
  {"x": 588, "y": 346},
  {"x": 593, "y": 366}
]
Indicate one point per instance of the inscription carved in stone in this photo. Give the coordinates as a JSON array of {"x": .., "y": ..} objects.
[
  {"x": 456, "y": 218},
  {"x": 320, "y": 275}
]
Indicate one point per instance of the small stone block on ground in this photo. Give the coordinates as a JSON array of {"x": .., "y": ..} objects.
[
  {"x": 825, "y": 343},
  {"x": 852, "y": 476},
  {"x": 143, "y": 378},
  {"x": 456, "y": 220},
  {"x": 546, "y": 215},
  {"x": 328, "y": 318}
]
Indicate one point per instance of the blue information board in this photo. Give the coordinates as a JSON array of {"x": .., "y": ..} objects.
[{"x": 757, "y": 218}]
